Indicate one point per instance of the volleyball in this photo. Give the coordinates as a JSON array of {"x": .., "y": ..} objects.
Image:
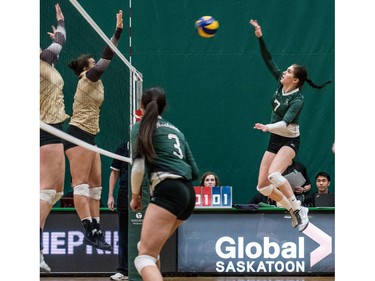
[{"x": 207, "y": 26}]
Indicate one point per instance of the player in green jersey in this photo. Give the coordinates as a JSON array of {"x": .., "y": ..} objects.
[
  {"x": 285, "y": 135},
  {"x": 161, "y": 152}
]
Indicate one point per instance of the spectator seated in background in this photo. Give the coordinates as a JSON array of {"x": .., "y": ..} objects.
[
  {"x": 209, "y": 179},
  {"x": 323, "y": 182},
  {"x": 296, "y": 174}
]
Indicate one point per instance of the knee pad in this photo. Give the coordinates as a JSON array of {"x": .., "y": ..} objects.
[
  {"x": 139, "y": 243},
  {"x": 57, "y": 197},
  {"x": 267, "y": 190},
  {"x": 47, "y": 195},
  {"x": 276, "y": 179},
  {"x": 81, "y": 189},
  {"x": 142, "y": 261},
  {"x": 95, "y": 192}
]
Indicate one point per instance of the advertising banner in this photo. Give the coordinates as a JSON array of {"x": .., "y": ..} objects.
[
  {"x": 231, "y": 243},
  {"x": 241, "y": 243},
  {"x": 65, "y": 253},
  {"x": 63, "y": 247}
]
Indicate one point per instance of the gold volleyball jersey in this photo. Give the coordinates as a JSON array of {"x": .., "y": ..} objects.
[
  {"x": 52, "y": 107},
  {"x": 88, "y": 98}
]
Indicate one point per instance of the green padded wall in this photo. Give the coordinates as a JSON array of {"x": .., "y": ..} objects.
[{"x": 217, "y": 88}]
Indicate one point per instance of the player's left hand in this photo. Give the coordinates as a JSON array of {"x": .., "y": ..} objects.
[
  {"x": 261, "y": 127},
  {"x": 119, "y": 21},
  {"x": 136, "y": 203}
]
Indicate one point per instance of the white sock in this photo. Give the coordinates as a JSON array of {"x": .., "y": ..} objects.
[{"x": 296, "y": 204}]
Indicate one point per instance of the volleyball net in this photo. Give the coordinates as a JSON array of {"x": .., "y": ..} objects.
[
  {"x": 89, "y": 28},
  {"x": 122, "y": 81}
]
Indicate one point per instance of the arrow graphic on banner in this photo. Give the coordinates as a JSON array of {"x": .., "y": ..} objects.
[{"x": 324, "y": 241}]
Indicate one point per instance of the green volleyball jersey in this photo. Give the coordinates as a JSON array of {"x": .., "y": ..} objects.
[
  {"x": 173, "y": 155},
  {"x": 285, "y": 106}
]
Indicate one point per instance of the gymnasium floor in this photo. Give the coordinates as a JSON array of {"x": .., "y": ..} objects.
[{"x": 215, "y": 278}]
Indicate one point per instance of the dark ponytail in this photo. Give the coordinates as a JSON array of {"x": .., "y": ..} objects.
[
  {"x": 154, "y": 102},
  {"x": 301, "y": 73},
  {"x": 312, "y": 84}
]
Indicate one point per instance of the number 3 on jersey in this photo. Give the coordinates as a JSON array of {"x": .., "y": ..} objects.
[{"x": 177, "y": 146}]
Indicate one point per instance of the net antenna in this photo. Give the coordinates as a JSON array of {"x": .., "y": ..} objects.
[{"x": 136, "y": 79}]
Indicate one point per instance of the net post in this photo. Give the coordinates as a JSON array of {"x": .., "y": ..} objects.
[{"x": 135, "y": 217}]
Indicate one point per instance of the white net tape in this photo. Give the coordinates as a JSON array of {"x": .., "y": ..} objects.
[{"x": 65, "y": 136}]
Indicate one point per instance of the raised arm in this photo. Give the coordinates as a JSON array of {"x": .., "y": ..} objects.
[
  {"x": 266, "y": 55},
  {"x": 58, "y": 35},
  {"x": 97, "y": 71}
]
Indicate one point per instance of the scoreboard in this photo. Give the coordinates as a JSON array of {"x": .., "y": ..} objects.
[{"x": 213, "y": 197}]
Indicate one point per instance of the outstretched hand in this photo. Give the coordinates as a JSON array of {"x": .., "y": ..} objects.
[
  {"x": 119, "y": 21},
  {"x": 261, "y": 127},
  {"x": 258, "y": 30},
  {"x": 59, "y": 14},
  {"x": 52, "y": 34}
]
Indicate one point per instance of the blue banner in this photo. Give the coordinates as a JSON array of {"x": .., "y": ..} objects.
[{"x": 256, "y": 243}]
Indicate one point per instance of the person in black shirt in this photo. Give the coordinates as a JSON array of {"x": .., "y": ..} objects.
[
  {"x": 119, "y": 170},
  {"x": 303, "y": 187},
  {"x": 322, "y": 181},
  {"x": 301, "y": 190}
]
